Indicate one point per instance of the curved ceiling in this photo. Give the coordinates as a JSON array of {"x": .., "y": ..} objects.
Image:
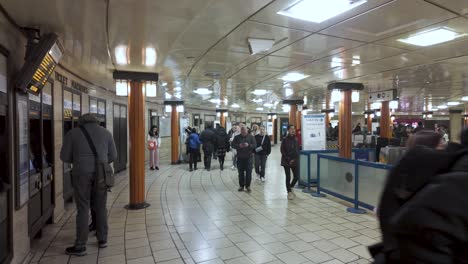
[{"x": 204, "y": 44}]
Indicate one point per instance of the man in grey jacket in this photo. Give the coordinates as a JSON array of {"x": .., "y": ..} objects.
[
  {"x": 77, "y": 151},
  {"x": 244, "y": 144}
]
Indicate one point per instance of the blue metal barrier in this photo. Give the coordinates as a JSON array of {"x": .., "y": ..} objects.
[{"x": 355, "y": 199}]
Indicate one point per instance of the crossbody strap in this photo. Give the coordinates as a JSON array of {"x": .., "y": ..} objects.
[
  {"x": 263, "y": 139},
  {"x": 90, "y": 142}
]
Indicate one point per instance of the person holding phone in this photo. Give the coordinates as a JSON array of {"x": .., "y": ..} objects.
[
  {"x": 261, "y": 153},
  {"x": 290, "y": 160},
  {"x": 244, "y": 144}
]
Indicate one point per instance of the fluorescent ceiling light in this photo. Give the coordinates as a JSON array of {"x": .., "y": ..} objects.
[
  {"x": 465, "y": 98},
  {"x": 377, "y": 105},
  {"x": 150, "y": 56},
  {"x": 151, "y": 89},
  {"x": 442, "y": 107},
  {"x": 178, "y": 96},
  {"x": 393, "y": 104},
  {"x": 355, "y": 96},
  {"x": 336, "y": 62},
  {"x": 268, "y": 105},
  {"x": 260, "y": 45},
  {"x": 121, "y": 54},
  {"x": 235, "y": 106},
  {"x": 203, "y": 91},
  {"x": 215, "y": 101},
  {"x": 293, "y": 77},
  {"x": 258, "y": 100},
  {"x": 259, "y": 109},
  {"x": 431, "y": 37},
  {"x": 286, "y": 108},
  {"x": 177, "y": 88},
  {"x": 318, "y": 11},
  {"x": 453, "y": 103},
  {"x": 288, "y": 92},
  {"x": 260, "y": 92}
]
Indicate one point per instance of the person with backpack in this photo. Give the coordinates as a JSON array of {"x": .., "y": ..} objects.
[
  {"x": 91, "y": 149},
  {"x": 222, "y": 145},
  {"x": 193, "y": 149},
  {"x": 262, "y": 151}
]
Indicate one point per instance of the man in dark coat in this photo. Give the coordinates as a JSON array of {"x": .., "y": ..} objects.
[
  {"x": 86, "y": 184},
  {"x": 207, "y": 137},
  {"x": 244, "y": 144},
  {"x": 261, "y": 153}
]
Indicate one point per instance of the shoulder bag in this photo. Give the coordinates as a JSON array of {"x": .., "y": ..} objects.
[{"x": 103, "y": 169}]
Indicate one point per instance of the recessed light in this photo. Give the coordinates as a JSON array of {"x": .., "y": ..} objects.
[
  {"x": 203, "y": 91},
  {"x": 288, "y": 92},
  {"x": 442, "y": 107},
  {"x": 431, "y": 37},
  {"x": 177, "y": 88},
  {"x": 258, "y": 100},
  {"x": 465, "y": 98},
  {"x": 318, "y": 11},
  {"x": 235, "y": 106},
  {"x": 260, "y": 92},
  {"x": 215, "y": 101},
  {"x": 150, "y": 56},
  {"x": 453, "y": 103},
  {"x": 293, "y": 77},
  {"x": 259, "y": 109},
  {"x": 121, "y": 55}
]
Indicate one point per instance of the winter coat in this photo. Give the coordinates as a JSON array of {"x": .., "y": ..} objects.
[
  {"x": 222, "y": 141},
  {"x": 207, "y": 137},
  {"x": 244, "y": 153},
  {"x": 266, "y": 144},
  {"x": 194, "y": 142},
  {"x": 289, "y": 151},
  {"x": 76, "y": 150},
  {"x": 415, "y": 169}
]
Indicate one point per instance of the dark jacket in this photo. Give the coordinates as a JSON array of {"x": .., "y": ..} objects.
[
  {"x": 244, "y": 153},
  {"x": 430, "y": 222},
  {"x": 289, "y": 151},
  {"x": 266, "y": 146},
  {"x": 75, "y": 148},
  {"x": 222, "y": 141},
  {"x": 415, "y": 169},
  {"x": 207, "y": 137}
]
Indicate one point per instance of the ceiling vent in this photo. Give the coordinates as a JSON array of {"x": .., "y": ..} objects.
[
  {"x": 259, "y": 45},
  {"x": 214, "y": 75}
]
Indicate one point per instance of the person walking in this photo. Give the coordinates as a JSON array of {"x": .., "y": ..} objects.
[
  {"x": 262, "y": 151},
  {"x": 244, "y": 144},
  {"x": 207, "y": 138},
  {"x": 222, "y": 145},
  {"x": 290, "y": 160},
  {"x": 84, "y": 146},
  {"x": 235, "y": 131},
  {"x": 154, "y": 143},
  {"x": 193, "y": 149}
]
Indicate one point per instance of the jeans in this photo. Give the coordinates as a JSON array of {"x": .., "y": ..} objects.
[
  {"x": 244, "y": 167},
  {"x": 85, "y": 187},
  {"x": 260, "y": 164},
  {"x": 208, "y": 155},
  {"x": 193, "y": 158},
  {"x": 290, "y": 184}
]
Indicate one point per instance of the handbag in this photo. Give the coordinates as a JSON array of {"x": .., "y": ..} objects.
[
  {"x": 103, "y": 169},
  {"x": 258, "y": 149},
  {"x": 151, "y": 145}
]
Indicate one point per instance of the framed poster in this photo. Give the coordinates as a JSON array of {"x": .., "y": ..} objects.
[
  {"x": 164, "y": 127},
  {"x": 314, "y": 136},
  {"x": 22, "y": 177},
  {"x": 269, "y": 128}
]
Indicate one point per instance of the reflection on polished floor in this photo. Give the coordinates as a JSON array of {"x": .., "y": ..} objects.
[{"x": 199, "y": 217}]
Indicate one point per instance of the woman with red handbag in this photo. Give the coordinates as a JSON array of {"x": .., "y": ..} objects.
[
  {"x": 290, "y": 159},
  {"x": 154, "y": 142}
]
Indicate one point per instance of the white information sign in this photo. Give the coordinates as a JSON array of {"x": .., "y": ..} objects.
[
  {"x": 269, "y": 128},
  {"x": 165, "y": 127},
  {"x": 314, "y": 136}
]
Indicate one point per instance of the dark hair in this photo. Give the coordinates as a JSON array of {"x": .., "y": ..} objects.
[
  {"x": 151, "y": 133},
  {"x": 194, "y": 130},
  {"x": 289, "y": 126},
  {"x": 426, "y": 138},
  {"x": 420, "y": 123}
]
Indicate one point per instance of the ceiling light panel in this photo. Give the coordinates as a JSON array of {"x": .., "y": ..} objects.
[
  {"x": 260, "y": 45},
  {"x": 293, "y": 77},
  {"x": 318, "y": 11},
  {"x": 431, "y": 37}
]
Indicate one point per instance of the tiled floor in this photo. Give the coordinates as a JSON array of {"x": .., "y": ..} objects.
[{"x": 199, "y": 217}]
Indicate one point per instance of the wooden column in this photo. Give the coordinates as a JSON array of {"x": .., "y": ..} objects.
[
  {"x": 369, "y": 120},
  {"x": 385, "y": 122},
  {"x": 298, "y": 119},
  {"x": 222, "y": 120},
  {"x": 292, "y": 114},
  {"x": 345, "y": 126},
  {"x": 465, "y": 121},
  {"x": 137, "y": 133},
  {"x": 273, "y": 134},
  {"x": 174, "y": 135},
  {"x": 327, "y": 106}
]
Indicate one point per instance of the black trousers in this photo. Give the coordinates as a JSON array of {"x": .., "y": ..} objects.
[
  {"x": 244, "y": 167},
  {"x": 290, "y": 184},
  {"x": 221, "y": 161},
  {"x": 260, "y": 164},
  {"x": 208, "y": 155},
  {"x": 193, "y": 158}
]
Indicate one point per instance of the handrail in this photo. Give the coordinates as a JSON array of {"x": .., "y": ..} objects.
[{"x": 352, "y": 161}]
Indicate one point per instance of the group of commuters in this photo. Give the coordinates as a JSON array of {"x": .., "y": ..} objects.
[{"x": 422, "y": 210}]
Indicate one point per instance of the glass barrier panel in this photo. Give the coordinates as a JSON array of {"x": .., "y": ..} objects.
[
  {"x": 371, "y": 183},
  {"x": 303, "y": 169},
  {"x": 337, "y": 176}
]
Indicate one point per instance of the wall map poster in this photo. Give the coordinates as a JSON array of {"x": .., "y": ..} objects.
[{"x": 313, "y": 132}]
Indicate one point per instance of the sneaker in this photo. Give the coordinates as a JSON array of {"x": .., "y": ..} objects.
[
  {"x": 263, "y": 179},
  {"x": 290, "y": 196},
  {"x": 248, "y": 189},
  {"x": 151, "y": 168},
  {"x": 240, "y": 189},
  {"x": 102, "y": 244},
  {"x": 157, "y": 168},
  {"x": 74, "y": 251}
]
